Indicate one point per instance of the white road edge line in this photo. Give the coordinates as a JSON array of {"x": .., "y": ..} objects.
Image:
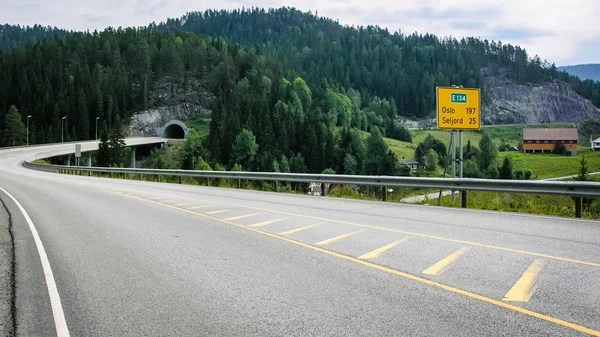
[{"x": 57, "y": 311}]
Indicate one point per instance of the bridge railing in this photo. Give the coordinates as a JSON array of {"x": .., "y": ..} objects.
[{"x": 575, "y": 189}]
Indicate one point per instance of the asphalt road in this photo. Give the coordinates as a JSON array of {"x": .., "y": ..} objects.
[{"x": 134, "y": 258}]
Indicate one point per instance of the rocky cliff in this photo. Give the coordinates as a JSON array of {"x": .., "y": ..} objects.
[
  {"x": 551, "y": 102},
  {"x": 170, "y": 101}
]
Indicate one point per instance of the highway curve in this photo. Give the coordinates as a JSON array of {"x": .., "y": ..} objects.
[{"x": 131, "y": 258}]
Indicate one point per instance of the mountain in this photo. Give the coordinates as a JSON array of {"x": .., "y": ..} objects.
[
  {"x": 15, "y": 36},
  {"x": 533, "y": 103},
  {"x": 584, "y": 71},
  {"x": 393, "y": 65}
]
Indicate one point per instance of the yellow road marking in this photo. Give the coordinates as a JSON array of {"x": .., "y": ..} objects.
[
  {"x": 185, "y": 204},
  {"x": 379, "y": 251},
  {"x": 196, "y": 207},
  {"x": 169, "y": 200},
  {"x": 518, "y": 251},
  {"x": 488, "y": 300},
  {"x": 526, "y": 285},
  {"x": 427, "y": 236},
  {"x": 343, "y": 236},
  {"x": 266, "y": 223},
  {"x": 439, "y": 267},
  {"x": 242, "y": 216},
  {"x": 217, "y": 212},
  {"x": 299, "y": 229}
]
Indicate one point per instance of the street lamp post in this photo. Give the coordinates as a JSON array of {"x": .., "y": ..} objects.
[
  {"x": 97, "y": 118},
  {"x": 28, "y": 129},
  {"x": 62, "y": 129}
]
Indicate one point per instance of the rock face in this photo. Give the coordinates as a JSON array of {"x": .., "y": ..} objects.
[
  {"x": 552, "y": 102},
  {"x": 171, "y": 102}
]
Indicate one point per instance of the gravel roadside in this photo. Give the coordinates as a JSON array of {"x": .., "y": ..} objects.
[{"x": 6, "y": 275}]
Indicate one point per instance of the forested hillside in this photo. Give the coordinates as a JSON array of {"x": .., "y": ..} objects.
[
  {"x": 15, "y": 36},
  {"x": 373, "y": 60},
  {"x": 110, "y": 75}
]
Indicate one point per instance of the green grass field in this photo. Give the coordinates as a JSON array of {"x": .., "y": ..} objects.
[{"x": 551, "y": 165}]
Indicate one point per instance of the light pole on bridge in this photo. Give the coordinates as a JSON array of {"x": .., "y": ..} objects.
[
  {"x": 62, "y": 129},
  {"x": 97, "y": 118},
  {"x": 29, "y": 116}
]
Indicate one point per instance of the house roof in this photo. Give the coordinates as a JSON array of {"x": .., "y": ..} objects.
[
  {"x": 409, "y": 162},
  {"x": 595, "y": 136},
  {"x": 550, "y": 134}
]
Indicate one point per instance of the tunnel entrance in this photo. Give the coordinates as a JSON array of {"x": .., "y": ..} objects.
[{"x": 174, "y": 131}]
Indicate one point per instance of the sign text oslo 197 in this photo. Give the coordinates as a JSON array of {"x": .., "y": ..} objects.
[{"x": 458, "y": 108}]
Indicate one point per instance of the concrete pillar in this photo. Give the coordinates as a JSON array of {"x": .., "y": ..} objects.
[
  {"x": 132, "y": 157},
  {"x": 89, "y": 160},
  {"x": 68, "y": 161}
]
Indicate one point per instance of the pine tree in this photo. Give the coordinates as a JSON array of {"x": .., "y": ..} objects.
[
  {"x": 103, "y": 155},
  {"x": 420, "y": 154},
  {"x": 83, "y": 119},
  {"x": 488, "y": 154},
  {"x": 375, "y": 153},
  {"x": 350, "y": 165},
  {"x": 116, "y": 146},
  {"x": 14, "y": 130},
  {"x": 506, "y": 171}
]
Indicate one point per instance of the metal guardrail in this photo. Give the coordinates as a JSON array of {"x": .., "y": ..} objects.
[{"x": 570, "y": 188}]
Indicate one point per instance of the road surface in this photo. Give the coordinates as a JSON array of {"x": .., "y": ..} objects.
[{"x": 131, "y": 258}]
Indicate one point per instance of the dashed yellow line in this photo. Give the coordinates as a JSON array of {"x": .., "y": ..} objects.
[
  {"x": 465, "y": 293},
  {"x": 185, "y": 204},
  {"x": 243, "y": 216},
  {"x": 266, "y": 222},
  {"x": 169, "y": 200},
  {"x": 299, "y": 229},
  {"x": 526, "y": 285},
  {"x": 470, "y": 243},
  {"x": 379, "y": 251},
  {"x": 197, "y": 207},
  {"x": 336, "y": 238},
  {"x": 439, "y": 267},
  {"x": 215, "y": 212}
]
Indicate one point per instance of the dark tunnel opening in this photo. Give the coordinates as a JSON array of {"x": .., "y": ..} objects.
[{"x": 174, "y": 131}]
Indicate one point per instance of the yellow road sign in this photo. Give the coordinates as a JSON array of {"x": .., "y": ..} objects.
[{"x": 458, "y": 108}]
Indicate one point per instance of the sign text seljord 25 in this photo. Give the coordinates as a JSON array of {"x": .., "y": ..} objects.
[{"x": 458, "y": 108}]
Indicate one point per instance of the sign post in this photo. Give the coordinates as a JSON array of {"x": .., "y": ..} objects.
[
  {"x": 77, "y": 153},
  {"x": 458, "y": 109}
]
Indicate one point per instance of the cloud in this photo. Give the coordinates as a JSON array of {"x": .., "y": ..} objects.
[{"x": 560, "y": 31}]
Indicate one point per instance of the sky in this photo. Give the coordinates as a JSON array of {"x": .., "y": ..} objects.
[{"x": 562, "y": 32}]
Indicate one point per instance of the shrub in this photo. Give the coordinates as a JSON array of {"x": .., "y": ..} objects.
[
  {"x": 519, "y": 174},
  {"x": 343, "y": 191},
  {"x": 560, "y": 149},
  {"x": 595, "y": 207}
]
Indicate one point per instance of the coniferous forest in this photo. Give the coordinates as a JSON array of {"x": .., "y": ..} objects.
[{"x": 291, "y": 90}]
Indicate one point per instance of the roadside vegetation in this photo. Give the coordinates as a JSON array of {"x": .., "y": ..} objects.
[{"x": 558, "y": 205}]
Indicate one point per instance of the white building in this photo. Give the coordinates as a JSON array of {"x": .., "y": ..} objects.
[{"x": 595, "y": 141}]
